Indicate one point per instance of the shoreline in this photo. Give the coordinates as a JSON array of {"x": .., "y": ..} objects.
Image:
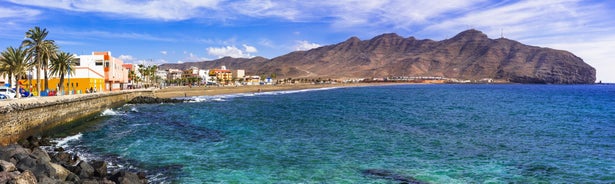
[{"x": 185, "y": 91}]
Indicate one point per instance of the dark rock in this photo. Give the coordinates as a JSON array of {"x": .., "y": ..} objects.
[
  {"x": 24, "y": 162},
  {"x": 125, "y": 177},
  {"x": 64, "y": 159},
  {"x": 58, "y": 149},
  {"x": 46, "y": 180},
  {"x": 12, "y": 149},
  {"x": 142, "y": 175},
  {"x": 72, "y": 177},
  {"x": 153, "y": 100},
  {"x": 100, "y": 168},
  {"x": 390, "y": 175},
  {"x": 84, "y": 170},
  {"x": 41, "y": 154},
  {"x": 44, "y": 169},
  {"x": 45, "y": 141}
]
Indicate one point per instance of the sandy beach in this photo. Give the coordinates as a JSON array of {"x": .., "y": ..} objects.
[{"x": 185, "y": 91}]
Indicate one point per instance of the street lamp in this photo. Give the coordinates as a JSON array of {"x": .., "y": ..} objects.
[{"x": 69, "y": 80}]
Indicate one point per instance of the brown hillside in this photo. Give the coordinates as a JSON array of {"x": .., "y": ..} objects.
[{"x": 468, "y": 55}]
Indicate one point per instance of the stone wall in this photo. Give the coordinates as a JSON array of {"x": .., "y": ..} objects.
[{"x": 20, "y": 118}]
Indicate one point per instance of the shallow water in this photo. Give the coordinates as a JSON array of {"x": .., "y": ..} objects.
[{"x": 432, "y": 133}]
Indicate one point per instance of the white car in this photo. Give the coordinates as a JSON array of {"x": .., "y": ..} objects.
[{"x": 10, "y": 93}]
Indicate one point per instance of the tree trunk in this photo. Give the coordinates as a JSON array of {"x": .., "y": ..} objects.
[
  {"x": 30, "y": 83},
  {"x": 38, "y": 78},
  {"x": 46, "y": 79},
  {"x": 61, "y": 84},
  {"x": 18, "y": 95}
]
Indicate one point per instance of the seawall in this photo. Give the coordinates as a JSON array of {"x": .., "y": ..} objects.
[{"x": 20, "y": 118}]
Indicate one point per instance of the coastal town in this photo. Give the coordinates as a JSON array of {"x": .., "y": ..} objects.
[{"x": 101, "y": 72}]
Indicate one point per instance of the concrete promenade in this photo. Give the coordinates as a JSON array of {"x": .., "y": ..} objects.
[{"x": 20, "y": 118}]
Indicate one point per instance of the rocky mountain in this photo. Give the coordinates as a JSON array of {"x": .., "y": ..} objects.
[{"x": 468, "y": 55}]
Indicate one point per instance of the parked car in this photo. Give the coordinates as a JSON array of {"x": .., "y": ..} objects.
[
  {"x": 10, "y": 93},
  {"x": 24, "y": 93}
]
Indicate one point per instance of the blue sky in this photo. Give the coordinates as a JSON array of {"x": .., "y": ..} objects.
[{"x": 172, "y": 31}]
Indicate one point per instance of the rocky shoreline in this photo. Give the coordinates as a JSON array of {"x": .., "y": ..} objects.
[{"x": 27, "y": 162}]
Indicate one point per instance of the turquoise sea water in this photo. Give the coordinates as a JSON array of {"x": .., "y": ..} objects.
[{"x": 433, "y": 133}]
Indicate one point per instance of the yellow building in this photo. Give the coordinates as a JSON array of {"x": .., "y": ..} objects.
[
  {"x": 97, "y": 72},
  {"x": 221, "y": 75},
  {"x": 72, "y": 86}
]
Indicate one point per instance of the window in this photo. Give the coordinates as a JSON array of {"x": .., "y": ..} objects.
[
  {"x": 77, "y": 61},
  {"x": 99, "y": 62}
]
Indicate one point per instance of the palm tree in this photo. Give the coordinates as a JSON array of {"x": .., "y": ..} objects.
[
  {"x": 50, "y": 49},
  {"x": 37, "y": 46},
  {"x": 4, "y": 70},
  {"x": 16, "y": 61},
  {"x": 61, "y": 65}
]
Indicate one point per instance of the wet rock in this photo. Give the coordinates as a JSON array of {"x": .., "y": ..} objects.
[
  {"x": 64, "y": 158},
  {"x": 84, "y": 170},
  {"x": 100, "y": 168},
  {"x": 26, "y": 177},
  {"x": 72, "y": 177},
  {"x": 390, "y": 175},
  {"x": 153, "y": 100},
  {"x": 124, "y": 177},
  {"x": 6, "y": 166}
]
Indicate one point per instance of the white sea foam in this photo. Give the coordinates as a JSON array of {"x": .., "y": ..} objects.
[
  {"x": 109, "y": 112},
  {"x": 222, "y": 98},
  {"x": 63, "y": 141}
]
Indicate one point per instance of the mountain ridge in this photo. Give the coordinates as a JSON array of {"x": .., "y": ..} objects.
[{"x": 468, "y": 55}]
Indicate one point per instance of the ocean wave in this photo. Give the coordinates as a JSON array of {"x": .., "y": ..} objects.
[
  {"x": 110, "y": 112},
  {"x": 225, "y": 97},
  {"x": 62, "y": 142}
]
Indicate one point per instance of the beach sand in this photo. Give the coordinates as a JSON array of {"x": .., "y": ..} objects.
[{"x": 185, "y": 91}]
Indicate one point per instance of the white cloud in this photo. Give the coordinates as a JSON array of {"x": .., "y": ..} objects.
[
  {"x": 163, "y": 10},
  {"x": 164, "y": 52},
  {"x": 119, "y": 35},
  {"x": 191, "y": 57},
  {"x": 232, "y": 51},
  {"x": 11, "y": 13},
  {"x": 305, "y": 45},
  {"x": 15, "y": 19},
  {"x": 266, "y": 42},
  {"x": 266, "y": 8},
  {"x": 250, "y": 49},
  {"x": 126, "y": 57}
]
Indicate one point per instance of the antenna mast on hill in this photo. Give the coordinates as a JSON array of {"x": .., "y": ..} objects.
[{"x": 502, "y": 33}]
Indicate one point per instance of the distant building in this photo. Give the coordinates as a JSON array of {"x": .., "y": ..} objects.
[
  {"x": 204, "y": 75},
  {"x": 222, "y": 76},
  {"x": 162, "y": 74},
  {"x": 191, "y": 72},
  {"x": 239, "y": 74},
  {"x": 174, "y": 74},
  {"x": 252, "y": 80}
]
